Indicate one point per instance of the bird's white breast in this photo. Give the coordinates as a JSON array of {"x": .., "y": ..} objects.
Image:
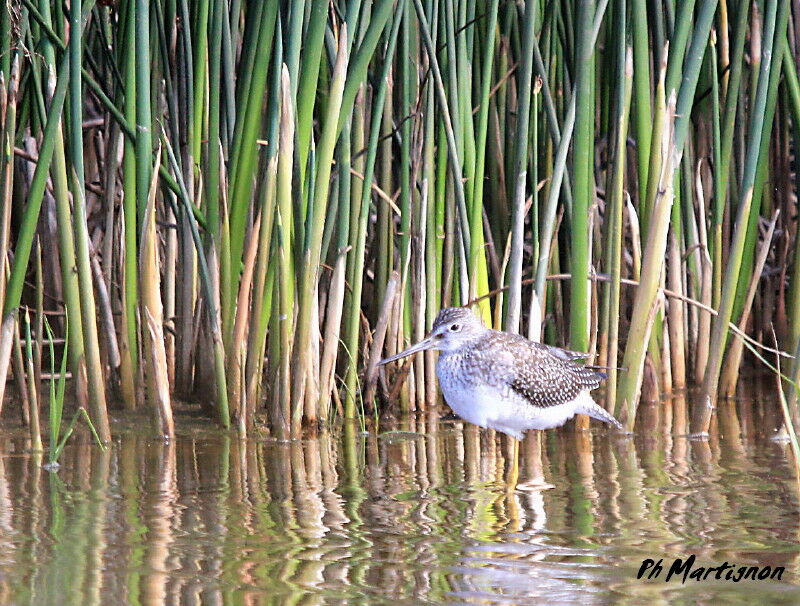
[{"x": 473, "y": 404}]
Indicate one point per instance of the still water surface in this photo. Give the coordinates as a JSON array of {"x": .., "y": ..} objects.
[{"x": 426, "y": 511}]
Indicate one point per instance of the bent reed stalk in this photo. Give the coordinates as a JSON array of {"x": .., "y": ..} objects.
[{"x": 307, "y": 153}]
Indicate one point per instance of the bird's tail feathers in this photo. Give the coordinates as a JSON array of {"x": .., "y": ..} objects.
[{"x": 594, "y": 410}]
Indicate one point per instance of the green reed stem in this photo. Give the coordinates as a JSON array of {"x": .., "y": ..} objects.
[
  {"x": 642, "y": 92},
  {"x": 94, "y": 366},
  {"x": 583, "y": 175},
  {"x": 519, "y": 173},
  {"x": 130, "y": 294}
]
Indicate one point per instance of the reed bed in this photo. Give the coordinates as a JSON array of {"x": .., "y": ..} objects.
[{"x": 232, "y": 196}]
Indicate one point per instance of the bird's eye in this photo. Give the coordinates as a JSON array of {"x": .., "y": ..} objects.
[{"x": 455, "y": 327}]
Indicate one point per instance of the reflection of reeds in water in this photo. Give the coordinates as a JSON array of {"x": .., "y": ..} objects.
[{"x": 396, "y": 516}]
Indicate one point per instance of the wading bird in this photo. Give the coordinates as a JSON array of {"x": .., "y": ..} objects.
[{"x": 504, "y": 381}]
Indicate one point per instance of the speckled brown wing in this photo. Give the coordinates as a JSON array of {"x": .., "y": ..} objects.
[{"x": 541, "y": 377}]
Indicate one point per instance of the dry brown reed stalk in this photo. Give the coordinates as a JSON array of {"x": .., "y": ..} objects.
[
  {"x": 238, "y": 342},
  {"x": 106, "y": 313},
  {"x": 35, "y": 428},
  {"x": 8, "y": 116},
  {"x": 730, "y": 373},
  {"x": 676, "y": 319},
  {"x": 20, "y": 377},
  {"x": 158, "y": 378},
  {"x": 379, "y": 337},
  {"x": 707, "y": 281},
  {"x": 154, "y": 352}
]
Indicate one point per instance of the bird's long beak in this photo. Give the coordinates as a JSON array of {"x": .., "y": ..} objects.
[{"x": 428, "y": 343}]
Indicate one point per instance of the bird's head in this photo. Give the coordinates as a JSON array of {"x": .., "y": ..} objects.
[{"x": 453, "y": 328}]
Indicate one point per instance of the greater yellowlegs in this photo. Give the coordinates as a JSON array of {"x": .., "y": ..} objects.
[{"x": 504, "y": 381}]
